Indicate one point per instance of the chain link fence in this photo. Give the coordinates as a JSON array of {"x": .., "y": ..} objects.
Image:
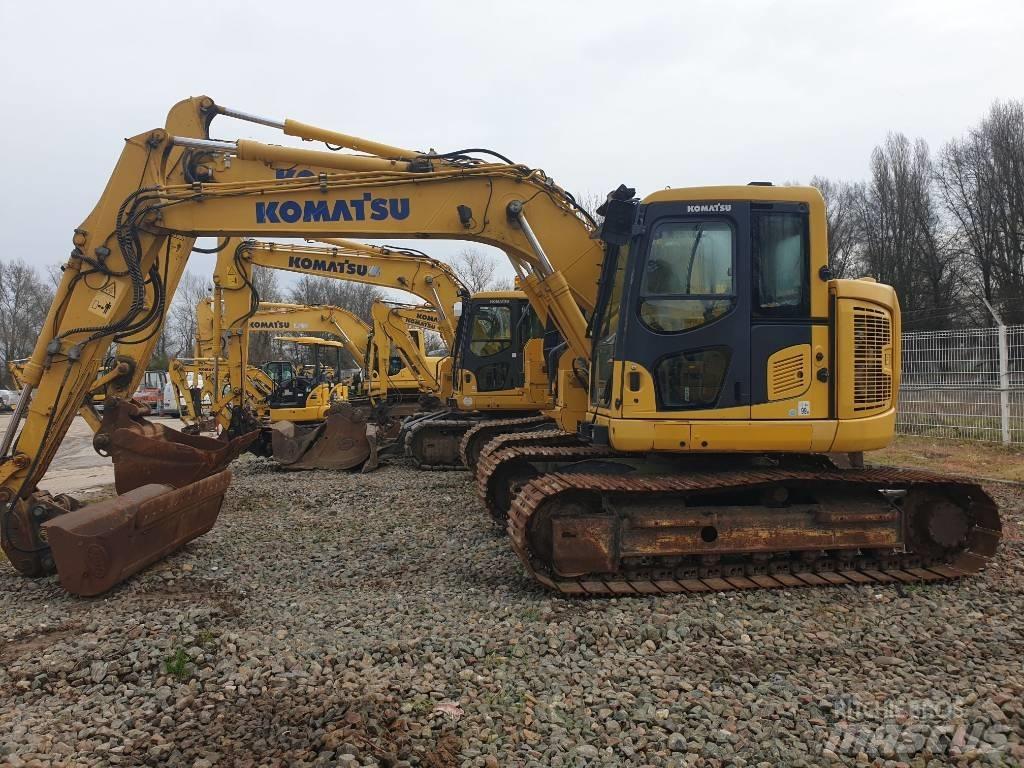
[{"x": 966, "y": 384}]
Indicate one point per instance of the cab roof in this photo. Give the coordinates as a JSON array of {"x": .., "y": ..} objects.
[
  {"x": 310, "y": 340},
  {"x": 738, "y": 192},
  {"x": 498, "y": 295}
]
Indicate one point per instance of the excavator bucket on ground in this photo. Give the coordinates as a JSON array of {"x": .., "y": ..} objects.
[
  {"x": 100, "y": 545},
  {"x": 171, "y": 487},
  {"x": 341, "y": 441}
]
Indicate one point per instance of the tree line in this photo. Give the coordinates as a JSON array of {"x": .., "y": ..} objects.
[{"x": 945, "y": 228}]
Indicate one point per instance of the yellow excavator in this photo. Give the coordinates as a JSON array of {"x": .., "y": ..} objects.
[
  {"x": 279, "y": 393},
  {"x": 706, "y": 364},
  {"x": 495, "y": 336},
  {"x": 334, "y": 425}
]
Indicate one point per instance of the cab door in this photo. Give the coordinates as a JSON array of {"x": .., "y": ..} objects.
[
  {"x": 782, "y": 330},
  {"x": 488, "y": 349},
  {"x": 689, "y": 307}
]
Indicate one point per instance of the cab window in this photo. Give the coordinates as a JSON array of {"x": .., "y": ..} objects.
[
  {"x": 530, "y": 326},
  {"x": 491, "y": 330},
  {"x": 688, "y": 279},
  {"x": 395, "y": 362},
  {"x": 781, "y": 264},
  {"x": 607, "y": 329},
  {"x": 692, "y": 379}
]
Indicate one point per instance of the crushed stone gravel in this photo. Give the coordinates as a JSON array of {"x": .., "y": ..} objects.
[{"x": 336, "y": 619}]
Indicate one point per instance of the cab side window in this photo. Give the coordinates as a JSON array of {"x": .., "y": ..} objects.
[{"x": 781, "y": 264}]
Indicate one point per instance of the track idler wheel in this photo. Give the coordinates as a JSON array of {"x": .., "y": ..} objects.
[{"x": 950, "y": 523}]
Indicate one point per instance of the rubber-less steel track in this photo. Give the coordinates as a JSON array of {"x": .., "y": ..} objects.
[
  {"x": 415, "y": 436},
  {"x": 539, "y": 495},
  {"x": 486, "y": 431},
  {"x": 505, "y": 454}
]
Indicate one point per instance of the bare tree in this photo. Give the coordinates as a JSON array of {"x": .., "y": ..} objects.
[
  {"x": 843, "y": 236},
  {"x": 434, "y": 344},
  {"x": 901, "y": 230},
  {"x": 590, "y": 202},
  {"x": 24, "y": 301},
  {"x": 475, "y": 270},
  {"x": 981, "y": 182},
  {"x": 181, "y": 319},
  {"x": 357, "y": 298},
  {"x": 262, "y": 346},
  {"x": 264, "y": 280}
]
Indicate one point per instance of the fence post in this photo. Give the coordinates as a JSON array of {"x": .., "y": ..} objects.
[{"x": 1004, "y": 376}]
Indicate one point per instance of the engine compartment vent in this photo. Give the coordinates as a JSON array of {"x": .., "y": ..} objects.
[
  {"x": 872, "y": 358},
  {"x": 789, "y": 372}
]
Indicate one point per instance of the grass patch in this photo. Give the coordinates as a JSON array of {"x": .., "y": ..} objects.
[
  {"x": 177, "y": 666},
  {"x": 956, "y": 457},
  {"x": 205, "y": 638}
]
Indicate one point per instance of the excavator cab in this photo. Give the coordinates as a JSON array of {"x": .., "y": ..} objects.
[
  {"x": 494, "y": 328},
  {"x": 725, "y": 321},
  {"x": 290, "y": 389},
  {"x": 303, "y": 397}
]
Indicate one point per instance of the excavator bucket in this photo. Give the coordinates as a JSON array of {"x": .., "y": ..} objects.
[
  {"x": 100, "y": 545},
  {"x": 170, "y": 485},
  {"x": 145, "y": 452},
  {"x": 341, "y": 441}
]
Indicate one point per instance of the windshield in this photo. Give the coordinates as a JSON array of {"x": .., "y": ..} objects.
[
  {"x": 688, "y": 278},
  {"x": 491, "y": 330}
]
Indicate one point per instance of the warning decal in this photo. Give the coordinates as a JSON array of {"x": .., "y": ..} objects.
[{"x": 103, "y": 300}]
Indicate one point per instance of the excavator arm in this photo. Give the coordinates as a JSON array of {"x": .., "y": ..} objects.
[
  {"x": 172, "y": 185},
  {"x": 393, "y": 323},
  {"x": 351, "y": 331},
  {"x": 223, "y": 359},
  {"x": 388, "y": 267}
]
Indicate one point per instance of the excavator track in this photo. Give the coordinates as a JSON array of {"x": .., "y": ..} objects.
[
  {"x": 508, "y": 462},
  {"x": 479, "y": 436},
  {"x": 628, "y": 534},
  {"x": 433, "y": 445}
]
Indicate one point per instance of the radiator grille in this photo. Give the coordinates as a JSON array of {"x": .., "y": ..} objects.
[
  {"x": 789, "y": 376},
  {"x": 872, "y": 363}
]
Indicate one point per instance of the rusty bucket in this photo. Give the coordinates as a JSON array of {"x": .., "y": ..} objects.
[
  {"x": 100, "y": 545},
  {"x": 338, "y": 442},
  {"x": 145, "y": 452}
]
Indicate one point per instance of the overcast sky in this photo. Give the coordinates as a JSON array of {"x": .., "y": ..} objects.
[{"x": 648, "y": 94}]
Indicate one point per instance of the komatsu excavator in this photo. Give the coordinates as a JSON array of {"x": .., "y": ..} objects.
[
  {"x": 267, "y": 401},
  {"x": 495, "y": 337},
  {"x": 708, "y": 364}
]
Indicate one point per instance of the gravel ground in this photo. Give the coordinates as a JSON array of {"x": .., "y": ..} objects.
[{"x": 350, "y": 620}]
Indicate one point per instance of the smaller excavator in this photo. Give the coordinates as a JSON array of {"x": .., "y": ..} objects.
[
  {"x": 493, "y": 381},
  {"x": 280, "y": 392}
]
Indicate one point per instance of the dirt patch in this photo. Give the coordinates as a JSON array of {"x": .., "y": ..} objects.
[{"x": 35, "y": 643}]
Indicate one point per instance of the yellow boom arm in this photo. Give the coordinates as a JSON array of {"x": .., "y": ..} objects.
[
  {"x": 174, "y": 184},
  {"x": 405, "y": 269}
]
